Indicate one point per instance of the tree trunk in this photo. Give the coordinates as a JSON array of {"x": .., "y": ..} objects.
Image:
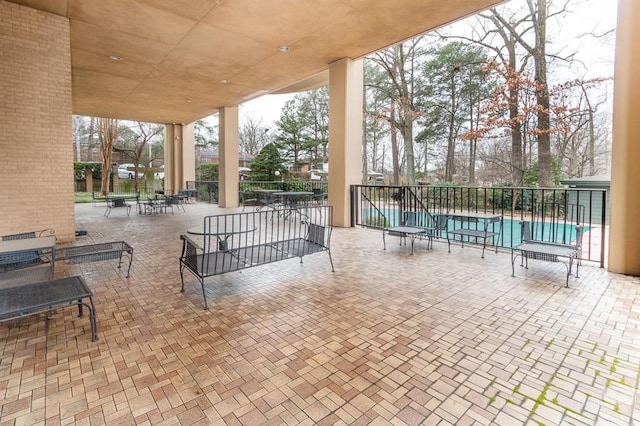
[
  {"x": 407, "y": 135},
  {"x": 90, "y": 140},
  {"x": 449, "y": 169},
  {"x": 107, "y": 132},
  {"x": 545, "y": 178},
  {"x": 517, "y": 151},
  {"x": 473, "y": 142},
  {"x": 395, "y": 155},
  {"x": 364, "y": 140}
]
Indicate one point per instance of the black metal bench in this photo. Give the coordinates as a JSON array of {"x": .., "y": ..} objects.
[
  {"x": 34, "y": 298},
  {"x": 479, "y": 228},
  {"x": 549, "y": 252},
  {"x": 236, "y": 241},
  {"x": 419, "y": 224},
  {"x": 97, "y": 252}
]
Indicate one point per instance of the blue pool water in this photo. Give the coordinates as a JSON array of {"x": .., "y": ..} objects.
[{"x": 511, "y": 231}]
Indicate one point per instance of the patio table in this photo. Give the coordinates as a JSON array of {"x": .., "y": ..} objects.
[
  {"x": 22, "y": 253},
  {"x": 31, "y": 299},
  {"x": 411, "y": 232}
]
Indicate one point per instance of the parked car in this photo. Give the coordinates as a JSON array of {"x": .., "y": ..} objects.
[
  {"x": 160, "y": 173},
  {"x": 127, "y": 170}
]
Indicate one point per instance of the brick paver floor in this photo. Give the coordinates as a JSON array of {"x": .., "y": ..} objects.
[{"x": 388, "y": 338}]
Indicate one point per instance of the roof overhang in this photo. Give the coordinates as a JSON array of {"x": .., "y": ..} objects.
[{"x": 175, "y": 61}]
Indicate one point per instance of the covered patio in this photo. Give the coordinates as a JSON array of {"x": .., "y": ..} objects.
[{"x": 388, "y": 338}]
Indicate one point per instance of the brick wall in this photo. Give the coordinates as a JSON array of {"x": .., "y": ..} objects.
[{"x": 36, "y": 150}]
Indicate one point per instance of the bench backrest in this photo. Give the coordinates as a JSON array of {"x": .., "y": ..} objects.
[
  {"x": 245, "y": 229},
  {"x": 227, "y": 240},
  {"x": 30, "y": 234},
  {"x": 424, "y": 219},
  {"x": 530, "y": 233}
]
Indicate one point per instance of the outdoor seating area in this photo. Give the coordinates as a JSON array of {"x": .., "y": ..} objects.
[
  {"x": 27, "y": 268},
  {"x": 388, "y": 338},
  {"x": 548, "y": 251},
  {"x": 236, "y": 241}
]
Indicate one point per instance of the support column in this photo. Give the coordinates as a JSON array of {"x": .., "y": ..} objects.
[
  {"x": 624, "y": 240},
  {"x": 188, "y": 155},
  {"x": 172, "y": 137},
  {"x": 179, "y": 157},
  {"x": 228, "y": 157},
  {"x": 345, "y": 135}
]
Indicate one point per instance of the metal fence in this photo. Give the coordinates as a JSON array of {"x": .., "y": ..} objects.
[
  {"x": 553, "y": 209},
  {"x": 207, "y": 191},
  {"x": 124, "y": 187}
]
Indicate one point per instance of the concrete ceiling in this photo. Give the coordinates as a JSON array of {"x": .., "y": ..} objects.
[{"x": 182, "y": 60}]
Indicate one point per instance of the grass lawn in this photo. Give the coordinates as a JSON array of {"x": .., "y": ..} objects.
[{"x": 83, "y": 197}]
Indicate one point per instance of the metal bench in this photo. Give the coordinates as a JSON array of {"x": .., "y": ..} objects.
[
  {"x": 549, "y": 252},
  {"x": 420, "y": 224},
  {"x": 97, "y": 252},
  {"x": 480, "y": 228},
  {"x": 35, "y": 298},
  {"x": 236, "y": 241}
]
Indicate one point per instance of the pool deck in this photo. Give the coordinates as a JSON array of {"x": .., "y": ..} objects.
[{"x": 389, "y": 338}]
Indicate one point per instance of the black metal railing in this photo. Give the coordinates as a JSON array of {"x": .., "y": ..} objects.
[
  {"x": 127, "y": 187},
  {"x": 554, "y": 211},
  {"x": 207, "y": 191}
]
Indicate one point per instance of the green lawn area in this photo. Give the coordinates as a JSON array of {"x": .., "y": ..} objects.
[{"x": 83, "y": 197}]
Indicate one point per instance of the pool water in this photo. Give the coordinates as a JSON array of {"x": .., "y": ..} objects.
[{"x": 511, "y": 231}]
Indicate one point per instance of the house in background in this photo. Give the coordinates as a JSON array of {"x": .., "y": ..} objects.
[
  {"x": 594, "y": 206},
  {"x": 210, "y": 155}
]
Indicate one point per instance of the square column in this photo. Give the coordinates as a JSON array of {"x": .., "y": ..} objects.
[
  {"x": 228, "y": 156},
  {"x": 35, "y": 122},
  {"x": 345, "y": 135},
  {"x": 179, "y": 156},
  {"x": 624, "y": 237}
]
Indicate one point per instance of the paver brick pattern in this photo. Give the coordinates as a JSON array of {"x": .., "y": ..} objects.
[{"x": 388, "y": 338}]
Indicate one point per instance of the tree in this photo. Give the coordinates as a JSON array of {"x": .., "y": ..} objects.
[
  {"x": 538, "y": 14},
  {"x": 207, "y": 172},
  {"x": 315, "y": 113},
  {"x": 253, "y": 135},
  {"x": 84, "y": 132},
  {"x": 291, "y": 132},
  {"x": 107, "y": 133},
  {"x": 204, "y": 134},
  {"x": 265, "y": 165},
  {"x": 399, "y": 64},
  {"x": 376, "y": 126},
  {"x": 303, "y": 128},
  {"x": 573, "y": 109},
  {"x": 457, "y": 85},
  {"x": 133, "y": 141}
]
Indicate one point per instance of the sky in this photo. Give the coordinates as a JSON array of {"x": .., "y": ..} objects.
[{"x": 595, "y": 55}]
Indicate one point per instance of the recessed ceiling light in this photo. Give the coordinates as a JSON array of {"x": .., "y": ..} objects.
[
  {"x": 115, "y": 58},
  {"x": 225, "y": 81},
  {"x": 284, "y": 48}
]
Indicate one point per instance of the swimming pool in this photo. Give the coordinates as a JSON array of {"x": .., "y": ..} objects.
[{"x": 559, "y": 232}]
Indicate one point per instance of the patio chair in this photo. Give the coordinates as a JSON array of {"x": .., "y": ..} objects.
[
  {"x": 318, "y": 196},
  {"x": 434, "y": 225},
  {"x": 248, "y": 198},
  {"x": 158, "y": 204},
  {"x": 174, "y": 200},
  {"x": 115, "y": 202}
]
